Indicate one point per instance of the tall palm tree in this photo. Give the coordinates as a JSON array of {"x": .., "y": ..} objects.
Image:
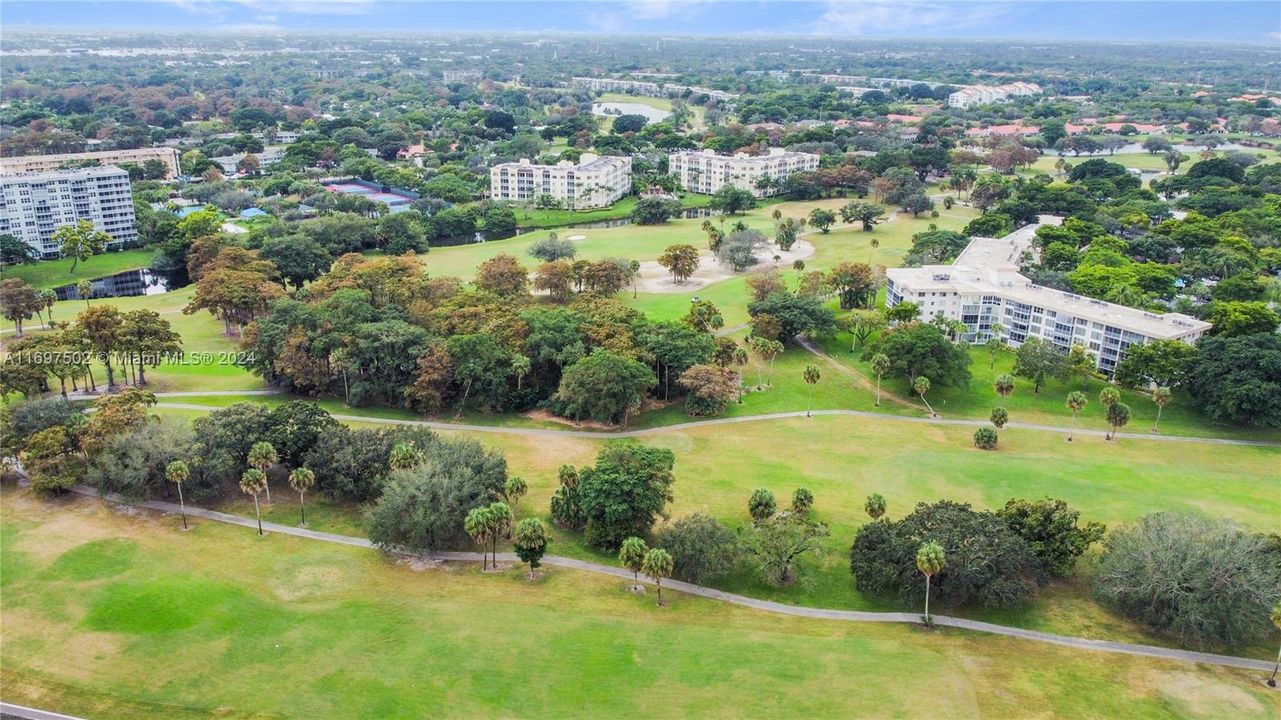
[
  {"x": 875, "y": 506},
  {"x": 875, "y": 244},
  {"x": 657, "y": 565},
  {"x": 177, "y": 473},
  {"x": 301, "y": 480},
  {"x": 253, "y": 482},
  {"x": 1118, "y": 416},
  {"x": 880, "y": 366},
  {"x": 500, "y": 519},
  {"x": 477, "y": 525},
  {"x": 921, "y": 385},
  {"x": 262, "y": 455},
  {"x": 930, "y": 560},
  {"x": 1076, "y": 402},
  {"x": 84, "y": 289},
  {"x": 1275, "y": 615},
  {"x": 812, "y": 376},
  {"x": 1160, "y": 396},
  {"x": 632, "y": 555},
  {"x": 1109, "y": 396},
  {"x": 777, "y": 214}
]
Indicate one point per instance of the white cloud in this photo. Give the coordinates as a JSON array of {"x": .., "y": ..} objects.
[
  {"x": 613, "y": 17},
  {"x": 903, "y": 17}
]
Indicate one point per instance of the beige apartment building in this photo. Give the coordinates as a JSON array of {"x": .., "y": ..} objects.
[
  {"x": 49, "y": 163},
  {"x": 983, "y": 287},
  {"x": 706, "y": 172},
  {"x": 594, "y": 182}
]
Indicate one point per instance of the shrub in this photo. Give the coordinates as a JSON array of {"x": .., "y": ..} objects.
[
  {"x": 761, "y": 504},
  {"x": 802, "y": 500},
  {"x": 999, "y": 417},
  {"x": 702, "y": 548},
  {"x": 985, "y": 438},
  {"x": 133, "y": 463},
  {"x": 987, "y": 562}
]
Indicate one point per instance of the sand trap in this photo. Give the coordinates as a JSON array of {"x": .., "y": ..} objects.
[
  {"x": 654, "y": 278},
  {"x": 576, "y": 237}
]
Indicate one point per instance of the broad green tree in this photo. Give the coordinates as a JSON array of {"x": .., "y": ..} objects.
[
  {"x": 253, "y": 482},
  {"x": 1275, "y": 616},
  {"x": 658, "y": 566},
  {"x": 632, "y": 555},
  {"x": 177, "y": 473},
  {"x": 80, "y": 242},
  {"x": 301, "y": 480},
  {"x": 930, "y": 560}
]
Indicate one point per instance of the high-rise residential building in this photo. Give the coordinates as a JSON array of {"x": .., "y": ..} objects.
[
  {"x": 983, "y": 287},
  {"x": 136, "y": 156},
  {"x": 594, "y": 182},
  {"x": 706, "y": 172},
  {"x": 34, "y": 205}
]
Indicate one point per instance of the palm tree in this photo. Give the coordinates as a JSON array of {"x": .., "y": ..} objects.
[
  {"x": 404, "y": 456},
  {"x": 875, "y": 243},
  {"x": 1076, "y": 402},
  {"x": 1118, "y": 416},
  {"x": 930, "y": 560},
  {"x": 657, "y": 565},
  {"x": 921, "y": 385},
  {"x": 632, "y": 555},
  {"x": 777, "y": 214},
  {"x": 875, "y": 506},
  {"x": 1160, "y": 396},
  {"x": 1004, "y": 385},
  {"x": 301, "y": 480},
  {"x": 262, "y": 455},
  {"x": 799, "y": 266},
  {"x": 880, "y": 366},
  {"x": 500, "y": 519},
  {"x": 811, "y": 378},
  {"x": 254, "y": 481},
  {"x": 1276, "y": 620},
  {"x": 84, "y": 289},
  {"x": 177, "y": 473},
  {"x": 1109, "y": 396},
  {"x": 477, "y": 525}
]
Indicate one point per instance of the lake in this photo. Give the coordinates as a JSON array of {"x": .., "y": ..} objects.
[
  {"x": 627, "y": 108},
  {"x": 126, "y": 284}
]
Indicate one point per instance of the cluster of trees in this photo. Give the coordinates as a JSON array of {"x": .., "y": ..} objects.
[{"x": 125, "y": 343}]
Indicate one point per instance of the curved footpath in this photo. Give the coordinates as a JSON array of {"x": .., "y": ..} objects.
[
  {"x": 713, "y": 594},
  {"x": 642, "y": 432}
]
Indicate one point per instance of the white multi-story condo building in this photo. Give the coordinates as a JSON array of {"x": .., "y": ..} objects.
[
  {"x": 137, "y": 156},
  {"x": 983, "y": 94},
  {"x": 594, "y": 182},
  {"x": 706, "y": 172},
  {"x": 983, "y": 287},
  {"x": 33, "y": 205}
]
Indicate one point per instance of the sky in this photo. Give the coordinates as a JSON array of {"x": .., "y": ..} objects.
[{"x": 1252, "y": 21}]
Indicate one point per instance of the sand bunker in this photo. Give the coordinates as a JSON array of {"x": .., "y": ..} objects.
[{"x": 654, "y": 278}]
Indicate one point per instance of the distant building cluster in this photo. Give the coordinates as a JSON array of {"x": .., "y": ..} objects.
[
  {"x": 864, "y": 82},
  {"x": 706, "y": 172},
  {"x": 593, "y": 182},
  {"x": 983, "y": 287},
  {"x": 648, "y": 89},
  {"x": 137, "y": 156},
  {"x": 35, "y": 204},
  {"x": 984, "y": 94}
]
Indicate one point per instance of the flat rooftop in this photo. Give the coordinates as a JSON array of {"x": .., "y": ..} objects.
[{"x": 990, "y": 266}]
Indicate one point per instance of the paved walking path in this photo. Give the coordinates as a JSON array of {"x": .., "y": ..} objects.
[
  {"x": 8, "y": 710},
  {"x": 741, "y": 600},
  {"x": 658, "y": 430}
]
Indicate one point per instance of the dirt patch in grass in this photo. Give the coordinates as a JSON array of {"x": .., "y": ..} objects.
[{"x": 1199, "y": 694}]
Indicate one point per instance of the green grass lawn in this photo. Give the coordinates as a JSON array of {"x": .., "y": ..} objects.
[
  {"x": 114, "y": 615},
  {"x": 53, "y": 273},
  {"x": 534, "y": 218},
  {"x": 844, "y": 459}
]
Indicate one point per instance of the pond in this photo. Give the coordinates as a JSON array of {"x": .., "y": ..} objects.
[
  {"x": 126, "y": 284},
  {"x": 614, "y": 109}
]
